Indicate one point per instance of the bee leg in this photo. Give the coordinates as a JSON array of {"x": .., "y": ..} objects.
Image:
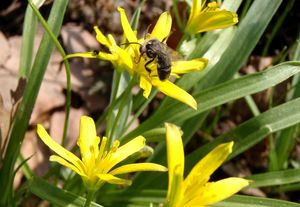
[
  {"x": 147, "y": 63},
  {"x": 142, "y": 53}
]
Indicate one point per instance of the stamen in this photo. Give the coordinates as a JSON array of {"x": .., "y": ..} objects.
[{"x": 102, "y": 147}]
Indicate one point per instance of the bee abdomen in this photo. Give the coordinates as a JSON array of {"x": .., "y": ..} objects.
[{"x": 163, "y": 72}]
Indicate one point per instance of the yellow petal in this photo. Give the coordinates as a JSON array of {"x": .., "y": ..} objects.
[
  {"x": 175, "y": 92},
  {"x": 175, "y": 190},
  {"x": 130, "y": 35},
  {"x": 175, "y": 152},
  {"x": 101, "y": 38},
  {"x": 207, "y": 21},
  {"x": 146, "y": 86},
  {"x": 217, "y": 191},
  {"x": 126, "y": 150},
  {"x": 163, "y": 26},
  {"x": 83, "y": 54},
  {"x": 202, "y": 171},
  {"x": 196, "y": 8},
  {"x": 175, "y": 156},
  {"x": 63, "y": 162},
  {"x": 58, "y": 149},
  {"x": 187, "y": 66},
  {"x": 114, "y": 180},
  {"x": 111, "y": 40},
  {"x": 107, "y": 56},
  {"x": 88, "y": 141},
  {"x": 99, "y": 55},
  {"x": 138, "y": 167},
  {"x": 124, "y": 59}
]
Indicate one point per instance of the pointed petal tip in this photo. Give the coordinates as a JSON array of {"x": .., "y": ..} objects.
[
  {"x": 235, "y": 18},
  {"x": 193, "y": 104},
  {"x": 120, "y": 9},
  {"x": 41, "y": 131},
  {"x": 86, "y": 118}
]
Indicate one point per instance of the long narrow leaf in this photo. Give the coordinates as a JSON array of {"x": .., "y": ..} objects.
[
  {"x": 244, "y": 136},
  {"x": 275, "y": 178},
  {"x": 221, "y": 94},
  {"x": 286, "y": 139},
  {"x": 251, "y": 201},
  {"x": 23, "y": 114},
  {"x": 253, "y": 131},
  {"x": 56, "y": 195}
]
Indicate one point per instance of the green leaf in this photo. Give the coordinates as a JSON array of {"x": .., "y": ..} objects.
[
  {"x": 238, "y": 46},
  {"x": 220, "y": 94},
  {"x": 244, "y": 136},
  {"x": 251, "y": 201},
  {"x": 119, "y": 108},
  {"x": 252, "y": 131},
  {"x": 55, "y": 195},
  {"x": 29, "y": 31},
  {"x": 275, "y": 178},
  {"x": 285, "y": 140},
  {"x": 139, "y": 197},
  {"x": 25, "y": 108}
]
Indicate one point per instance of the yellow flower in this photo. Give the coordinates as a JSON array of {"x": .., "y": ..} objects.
[
  {"x": 205, "y": 18},
  {"x": 96, "y": 164},
  {"x": 130, "y": 59},
  {"x": 195, "y": 190},
  {"x": 160, "y": 32}
]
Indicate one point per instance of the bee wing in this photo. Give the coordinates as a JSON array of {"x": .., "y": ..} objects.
[{"x": 174, "y": 55}]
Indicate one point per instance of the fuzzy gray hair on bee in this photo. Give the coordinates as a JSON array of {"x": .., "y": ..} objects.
[{"x": 156, "y": 51}]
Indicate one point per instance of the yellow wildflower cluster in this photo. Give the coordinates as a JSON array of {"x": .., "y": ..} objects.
[{"x": 97, "y": 163}]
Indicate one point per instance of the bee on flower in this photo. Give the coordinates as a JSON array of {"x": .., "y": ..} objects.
[{"x": 141, "y": 58}]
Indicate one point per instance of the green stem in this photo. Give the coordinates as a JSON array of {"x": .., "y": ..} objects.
[
  {"x": 66, "y": 63},
  {"x": 141, "y": 109},
  {"x": 277, "y": 26},
  {"x": 177, "y": 16},
  {"x": 22, "y": 116},
  {"x": 89, "y": 198},
  {"x": 29, "y": 30},
  {"x": 124, "y": 101}
]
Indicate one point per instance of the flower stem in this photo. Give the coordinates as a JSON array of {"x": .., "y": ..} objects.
[{"x": 89, "y": 198}]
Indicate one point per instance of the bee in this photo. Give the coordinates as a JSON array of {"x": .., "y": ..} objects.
[{"x": 157, "y": 51}]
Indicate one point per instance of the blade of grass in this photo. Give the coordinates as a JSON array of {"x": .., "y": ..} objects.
[
  {"x": 251, "y": 201},
  {"x": 118, "y": 115},
  {"x": 157, "y": 196},
  {"x": 28, "y": 34},
  {"x": 29, "y": 31},
  {"x": 290, "y": 187},
  {"x": 252, "y": 131},
  {"x": 67, "y": 69},
  {"x": 285, "y": 140},
  {"x": 55, "y": 195},
  {"x": 274, "y": 178},
  {"x": 277, "y": 26},
  {"x": 145, "y": 197},
  {"x": 23, "y": 113},
  {"x": 220, "y": 94},
  {"x": 244, "y": 136}
]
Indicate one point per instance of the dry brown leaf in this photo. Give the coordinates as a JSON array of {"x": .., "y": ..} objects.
[
  {"x": 5, "y": 120},
  {"x": 57, "y": 123},
  {"x": 76, "y": 39},
  {"x": 4, "y": 52}
]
